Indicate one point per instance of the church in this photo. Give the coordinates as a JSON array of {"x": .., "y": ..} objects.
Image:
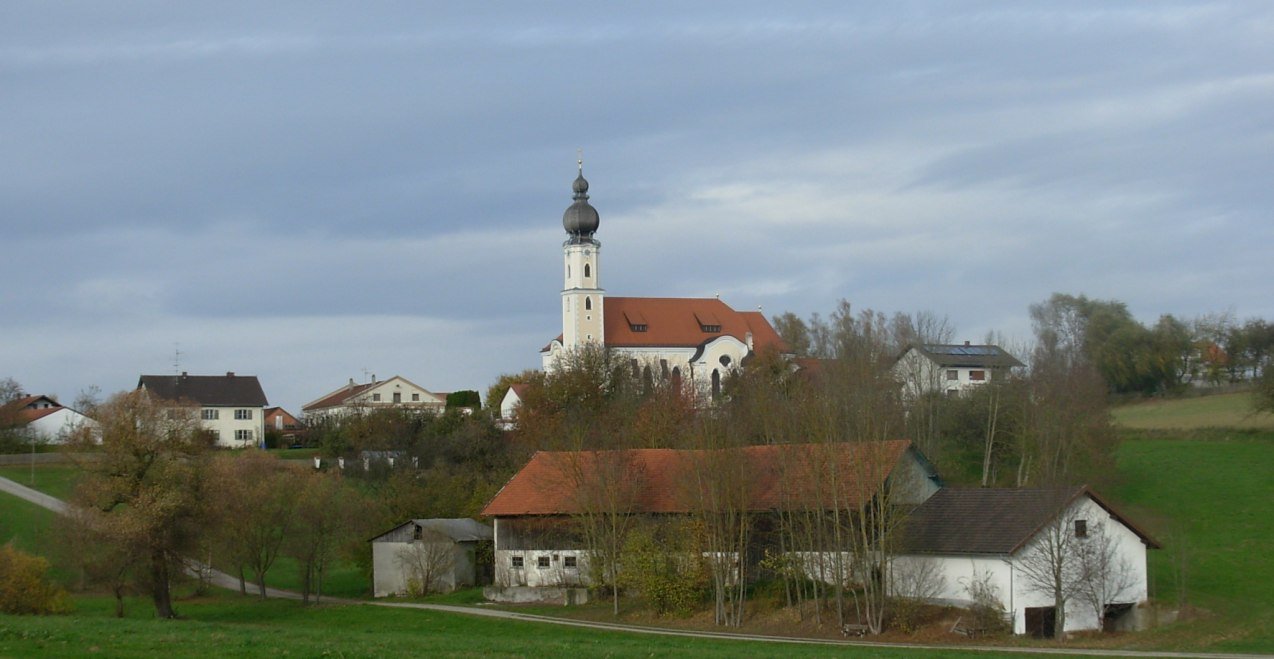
[{"x": 700, "y": 340}]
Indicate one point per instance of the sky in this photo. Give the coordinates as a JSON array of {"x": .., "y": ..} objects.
[{"x": 313, "y": 192}]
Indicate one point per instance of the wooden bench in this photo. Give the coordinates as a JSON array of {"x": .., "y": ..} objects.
[
  {"x": 970, "y": 631},
  {"x": 854, "y": 630}
]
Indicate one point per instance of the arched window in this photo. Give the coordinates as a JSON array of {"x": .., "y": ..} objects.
[
  {"x": 568, "y": 271},
  {"x": 588, "y": 304},
  {"x": 588, "y": 272},
  {"x": 716, "y": 383}
]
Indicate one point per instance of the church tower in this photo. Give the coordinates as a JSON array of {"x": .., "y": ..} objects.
[{"x": 581, "y": 294}]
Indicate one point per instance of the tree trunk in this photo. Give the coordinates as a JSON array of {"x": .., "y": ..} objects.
[
  {"x": 159, "y": 585},
  {"x": 243, "y": 583},
  {"x": 119, "y": 600}
]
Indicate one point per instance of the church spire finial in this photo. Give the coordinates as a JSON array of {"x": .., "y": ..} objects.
[{"x": 579, "y": 160}]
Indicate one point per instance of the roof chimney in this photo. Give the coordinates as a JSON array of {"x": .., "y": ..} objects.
[
  {"x": 966, "y": 343},
  {"x": 183, "y": 374},
  {"x": 229, "y": 374}
]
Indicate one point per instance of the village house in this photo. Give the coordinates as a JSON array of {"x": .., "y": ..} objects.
[
  {"x": 537, "y": 547},
  {"x": 696, "y": 340},
  {"x": 1013, "y": 540},
  {"x": 951, "y": 369},
  {"x": 43, "y": 418},
  {"x": 395, "y": 393},
  {"x": 427, "y": 555},
  {"x": 231, "y": 407}
]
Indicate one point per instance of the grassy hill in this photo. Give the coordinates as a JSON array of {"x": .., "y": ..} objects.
[{"x": 1232, "y": 410}]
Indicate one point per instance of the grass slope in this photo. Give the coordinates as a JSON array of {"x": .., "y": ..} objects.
[
  {"x": 1218, "y": 411},
  {"x": 1209, "y": 499},
  {"x": 228, "y": 625},
  {"x": 54, "y": 479}
]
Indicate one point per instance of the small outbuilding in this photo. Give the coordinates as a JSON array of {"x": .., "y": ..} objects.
[{"x": 428, "y": 555}]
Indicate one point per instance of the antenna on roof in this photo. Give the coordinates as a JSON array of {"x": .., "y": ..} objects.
[{"x": 176, "y": 358}]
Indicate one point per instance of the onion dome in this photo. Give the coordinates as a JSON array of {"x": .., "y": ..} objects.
[{"x": 580, "y": 220}]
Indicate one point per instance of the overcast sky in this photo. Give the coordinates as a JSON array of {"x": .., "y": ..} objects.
[{"x": 310, "y": 192}]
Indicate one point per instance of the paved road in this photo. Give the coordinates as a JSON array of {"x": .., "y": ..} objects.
[{"x": 227, "y": 581}]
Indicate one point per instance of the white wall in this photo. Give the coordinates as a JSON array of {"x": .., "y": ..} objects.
[
  {"x": 57, "y": 426},
  {"x": 225, "y": 425},
  {"x": 530, "y": 574}
]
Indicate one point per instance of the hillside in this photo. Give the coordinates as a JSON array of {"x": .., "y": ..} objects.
[{"x": 1231, "y": 410}]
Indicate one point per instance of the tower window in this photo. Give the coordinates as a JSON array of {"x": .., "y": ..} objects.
[
  {"x": 588, "y": 304},
  {"x": 568, "y": 270},
  {"x": 588, "y": 272}
]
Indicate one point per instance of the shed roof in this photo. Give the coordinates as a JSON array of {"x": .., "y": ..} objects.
[
  {"x": 997, "y": 521},
  {"x": 460, "y": 529},
  {"x": 214, "y": 390},
  {"x": 664, "y": 480}
]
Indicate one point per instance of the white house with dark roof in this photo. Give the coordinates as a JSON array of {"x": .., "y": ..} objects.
[
  {"x": 396, "y": 392},
  {"x": 951, "y": 369},
  {"x": 699, "y": 339},
  {"x": 231, "y": 407},
  {"x": 1004, "y": 537}
]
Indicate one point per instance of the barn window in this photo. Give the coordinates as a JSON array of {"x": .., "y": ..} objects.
[
  {"x": 1081, "y": 528},
  {"x": 568, "y": 562},
  {"x": 542, "y": 562},
  {"x": 418, "y": 534},
  {"x": 515, "y": 562}
]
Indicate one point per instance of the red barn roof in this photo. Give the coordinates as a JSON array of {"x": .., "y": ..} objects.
[{"x": 837, "y": 475}]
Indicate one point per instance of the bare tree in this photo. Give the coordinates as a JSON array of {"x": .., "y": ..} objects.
[
  {"x": 426, "y": 561},
  {"x": 1054, "y": 565},
  {"x": 1108, "y": 577},
  {"x": 327, "y": 514}
]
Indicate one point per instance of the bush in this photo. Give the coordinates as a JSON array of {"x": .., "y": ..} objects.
[
  {"x": 986, "y": 610},
  {"x": 24, "y": 586},
  {"x": 668, "y": 575}
]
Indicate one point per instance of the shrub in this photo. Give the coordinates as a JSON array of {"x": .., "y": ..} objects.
[
  {"x": 24, "y": 586},
  {"x": 659, "y": 566}
]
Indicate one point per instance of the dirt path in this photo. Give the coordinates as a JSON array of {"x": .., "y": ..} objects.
[{"x": 229, "y": 582}]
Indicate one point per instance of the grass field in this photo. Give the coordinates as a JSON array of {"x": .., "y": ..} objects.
[
  {"x": 55, "y": 479},
  {"x": 229, "y": 625},
  {"x": 1233, "y": 410}
]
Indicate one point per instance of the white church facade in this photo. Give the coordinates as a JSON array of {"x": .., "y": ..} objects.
[{"x": 695, "y": 340}]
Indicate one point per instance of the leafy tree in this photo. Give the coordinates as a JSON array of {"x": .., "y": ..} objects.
[
  {"x": 147, "y": 484},
  {"x": 253, "y": 512},
  {"x": 465, "y": 398},
  {"x": 1263, "y": 392}
]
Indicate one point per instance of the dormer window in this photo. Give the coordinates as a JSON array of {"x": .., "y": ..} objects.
[
  {"x": 637, "y": 328},
  {"x": 636, "y": 321},
  {"x": 708, "y": 322},
  {"x": 710, "y": 329}
]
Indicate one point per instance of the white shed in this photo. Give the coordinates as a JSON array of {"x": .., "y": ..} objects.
[
  {"x": 427, "y": 555},
  {"x": 1012, "y": 540}
]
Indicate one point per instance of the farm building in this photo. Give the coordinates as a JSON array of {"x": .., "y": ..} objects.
[
  {"x": 1014, "y": 540},
  {"x": 427, "y": 555}
]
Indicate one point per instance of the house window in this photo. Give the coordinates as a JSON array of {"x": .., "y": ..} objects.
[
  {"x": 243, "y": 435},
  {"x": 243, "y": 415},
  {"x": 1081, "y": 528},
  {"x": 977, "y": 376},
  {"x": 398, "y": 397},
  {"x": 419, "y": 532},
  {"x": 515, "y": 562},
  {"x": 542, "y": 562},
  {"x": 953, "y": 374},
  {"x": 376, "y": 398},
  {"x": 210, "y": 415},
  {"x": 568, "y": 562},
  {"x": 415, "y": 398}
]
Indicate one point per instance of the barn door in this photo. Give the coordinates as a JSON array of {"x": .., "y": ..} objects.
[{"x": 1040, "y": 621}]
